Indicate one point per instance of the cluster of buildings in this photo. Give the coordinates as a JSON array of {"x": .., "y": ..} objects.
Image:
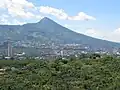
[{"x": 42, "y": 51}]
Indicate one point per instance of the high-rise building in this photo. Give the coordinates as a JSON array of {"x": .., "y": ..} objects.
[{"x": 9, "y": 50}]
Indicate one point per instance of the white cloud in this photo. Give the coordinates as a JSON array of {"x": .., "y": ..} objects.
[
  {"x": 15, "y": 11},
  {"x": 22, "y": 3},
  {"x": 82, "y": 16},
  {"x": 59, "y": 13},
  {"x": 92, "y": 32},
  {"x": 117, "y": 31},
  {"x": 113, "y": 35},
  {"x": 2, "y": 3},
  {"x": 26, "y": 10},
  {"x": 16, "y": 22},
  {"x": 4, "y": 20},
  {"x": 17, "y": 8},
  {"x": 72, "y": 26},
  {"x": 106, "y": 35},
  {"x": 4, "y": 16}
]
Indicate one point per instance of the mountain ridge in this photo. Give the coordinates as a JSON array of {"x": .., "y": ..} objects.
[
  {"x": 48, "y": 19},
  {"x": 48, "y": 31}
]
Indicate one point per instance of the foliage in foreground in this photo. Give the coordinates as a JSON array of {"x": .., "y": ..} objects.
[{"x": 94, "y": 74}]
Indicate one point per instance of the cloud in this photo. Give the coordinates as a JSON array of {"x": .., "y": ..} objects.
[
  {"x": 113, "y": 35},
  {"x": 72, "y": 26},
  {"x": 17, "y": 11},
  {"x": 82, "y": 16},
  {"x": 26, "y": 10},
  {"x": 61, "y": 14},
  {"x": 16, "y": 3},
  {"x": 4, "y": 20},
  {"x": 106, "y": 35},
  {"x": 18, "y": 8},
  {"x": 22, "y": 3},
  {"x": 16, "y": 22},
  {"x": 94, "y": 33}
]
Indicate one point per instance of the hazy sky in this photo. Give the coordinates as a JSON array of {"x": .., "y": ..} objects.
[{"x": 96, "y": 18}]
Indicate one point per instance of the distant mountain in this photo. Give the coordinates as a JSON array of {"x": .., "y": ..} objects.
[{"x": 48, "y": 31}]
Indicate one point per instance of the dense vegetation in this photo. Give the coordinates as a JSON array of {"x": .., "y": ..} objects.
[{"x": 72, "y": 74}]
